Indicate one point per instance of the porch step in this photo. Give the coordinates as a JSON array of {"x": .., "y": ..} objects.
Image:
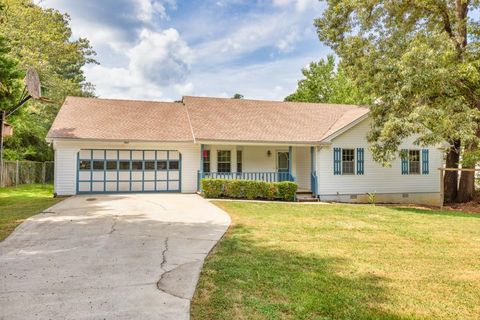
[{"x": 306, "y": 197}]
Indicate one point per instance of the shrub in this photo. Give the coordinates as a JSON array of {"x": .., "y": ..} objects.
[
  {"x": 234, "y": 189},
  {"x": 248, "y": 189},
  {"x": 212, "y": 188},
  {"x": 287, "y": 190}
]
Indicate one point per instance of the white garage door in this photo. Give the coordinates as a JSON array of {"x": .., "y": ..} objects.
[{"x": 110, "y": 171}]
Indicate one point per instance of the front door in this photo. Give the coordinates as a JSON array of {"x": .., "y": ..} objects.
[{"x": 283, "y": 165}]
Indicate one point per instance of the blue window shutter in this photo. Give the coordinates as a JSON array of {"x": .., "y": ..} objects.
[
  {"x": 360, "y": 161},
  {"x": 425, "y": 166},
  {"x": 404, "y": 161},
  {"x": 337, "y": 162}
]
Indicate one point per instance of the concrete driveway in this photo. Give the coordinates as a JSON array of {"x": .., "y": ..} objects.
[{"x": 109, "y": 257}]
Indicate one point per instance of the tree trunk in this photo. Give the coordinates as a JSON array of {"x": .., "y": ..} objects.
[
  {"x": 466, "y": 187},
  {"x": 451, "y": 177}
]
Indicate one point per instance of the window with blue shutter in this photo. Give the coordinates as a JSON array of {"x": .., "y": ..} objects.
[
  {"x": 360, "y": 161},
  {"x": 404, "y": 154},
  {"x": 337, "y": 162},
  {"x": 425, "y": 166}
]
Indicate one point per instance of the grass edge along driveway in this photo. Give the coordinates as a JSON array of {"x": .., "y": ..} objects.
[
  {"x": 290, "y": 261},
  {"x": 22, "y": 202}
]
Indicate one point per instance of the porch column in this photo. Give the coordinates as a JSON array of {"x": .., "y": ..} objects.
[
  {"x": 200, "y": 171},
  {"x": 290, "y": 161},
  {"x": 313, "y": 173},
  {"x": 233, "y": 164}
]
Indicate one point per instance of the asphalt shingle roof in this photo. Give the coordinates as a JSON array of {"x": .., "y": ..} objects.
[{"x": 206, "y": 119}]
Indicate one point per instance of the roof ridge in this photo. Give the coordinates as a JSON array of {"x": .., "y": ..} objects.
[
  {"x": 279, "y": 101},
  {"x": 118, "y": 99},
  {"x": 189, "y": 121}
]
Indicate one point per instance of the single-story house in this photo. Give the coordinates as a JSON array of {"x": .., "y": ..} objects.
[{"x": 109, "y": 146}]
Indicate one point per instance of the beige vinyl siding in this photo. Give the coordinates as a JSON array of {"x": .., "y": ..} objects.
[
  {"x": 65, "y": 180},
  {"x": 302, "y": 164},
  {"x": 66, "y": 161},
  {"x": 376, "y": 178}
]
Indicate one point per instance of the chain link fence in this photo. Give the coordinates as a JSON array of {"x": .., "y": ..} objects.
[{"x": 26, "y": 172}]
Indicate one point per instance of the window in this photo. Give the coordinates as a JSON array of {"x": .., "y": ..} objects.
[
  {"x": 124, "y": 165},
  {"x": 98, "y": 165},
  {"x": 85, "y": 164},
  {"x": 149, "y": 165},
  {"x": 348, "y": 164},
  {"x": 173, "y": 165},
  {"x": 137, "y": 165},
  {"x": 111, "y": 165},
  {"x": 224, "y": 160},
  {"x": 414, "y": 161},
  {"x": 206, "y": 160},
  {"x": 239, "y": 161},
  {"x": 162, "y": 165}
]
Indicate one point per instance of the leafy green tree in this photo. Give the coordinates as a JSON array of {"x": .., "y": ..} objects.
[
  {"x": 41, "y": 38},
  {"x": 237, "y": 96},
  {"x": 10, "y": 78},
  {"x": 420, "y": 60},
  {"x": 323, "y": 83}
]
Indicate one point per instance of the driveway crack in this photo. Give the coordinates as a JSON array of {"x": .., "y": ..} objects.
[{"x": 114, "y": 224}]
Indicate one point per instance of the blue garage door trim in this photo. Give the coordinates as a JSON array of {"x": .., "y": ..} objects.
[{"x": 104, "y": 174}]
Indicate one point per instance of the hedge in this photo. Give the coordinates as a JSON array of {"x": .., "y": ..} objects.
[{"x": 248, "y": 189}]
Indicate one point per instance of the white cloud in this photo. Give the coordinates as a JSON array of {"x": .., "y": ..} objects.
[
  {"x": 161, "y": 57},
  {"x": 286, "y": 43},
  {"x": 147, "y": 9},
  {"x": 300, "y": 5},
  {"x": 159, "y": 61},
  {"x": 184, "y": 89}
]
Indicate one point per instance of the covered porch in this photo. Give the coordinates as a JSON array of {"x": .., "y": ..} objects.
[{"x": 270, "y": 163}]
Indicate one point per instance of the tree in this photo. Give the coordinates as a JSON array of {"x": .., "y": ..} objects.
[
  {"x": 323, "y": 83},
  {"x": 420, "y": 60},
  {"x": 10, "y": 78},
  {"x": 237, "y": 96},
  {"x": 41, "y": 38}
]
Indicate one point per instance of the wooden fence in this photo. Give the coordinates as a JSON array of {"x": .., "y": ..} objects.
[{"x": 26, "y": 172}]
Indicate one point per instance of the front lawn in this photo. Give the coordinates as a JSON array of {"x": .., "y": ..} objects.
[
  {"x": 17, "y": 204},
  {"x": 290, "y": 261}
]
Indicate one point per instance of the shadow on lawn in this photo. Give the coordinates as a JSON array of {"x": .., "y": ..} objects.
[
  {"x": 437, "y": 212},
  {"x": 244, "y": 279}
]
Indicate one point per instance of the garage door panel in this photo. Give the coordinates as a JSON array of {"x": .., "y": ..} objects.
[
  {"x": 136, "y": 186},
  {"x": 97, "y": 175},
  {"x": 162, "y": 175},
  {"x": 124, "y": 175},
  {"x": 162, "y": 186},
  {"x": 84, "y": 175},
  {"x": 99, "y": 154},
  {"x": 128, "y": 171},
  {"x": 149, "y": 186},
  {"x": 149, "y": 175},
  {"x": 174, "y": 175},
  {"x": 84, "y": 186},
  {"x": 111, "y": 186},
  {"x": 111, "y": 175},
  {"x": 173, "y": 185},
  {"x": 149, "y": 155},
  {"x": 112, "y": 154},
  {"x": 124, "y": 155},
  {"x": 98, "y": 186}
]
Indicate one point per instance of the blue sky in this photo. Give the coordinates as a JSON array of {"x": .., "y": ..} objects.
[{"x": 163, "y": 49}]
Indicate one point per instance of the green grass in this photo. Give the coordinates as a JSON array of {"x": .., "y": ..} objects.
[
  {"x": 17, "y": 204},
  {"x": 290, "y": 261}
]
